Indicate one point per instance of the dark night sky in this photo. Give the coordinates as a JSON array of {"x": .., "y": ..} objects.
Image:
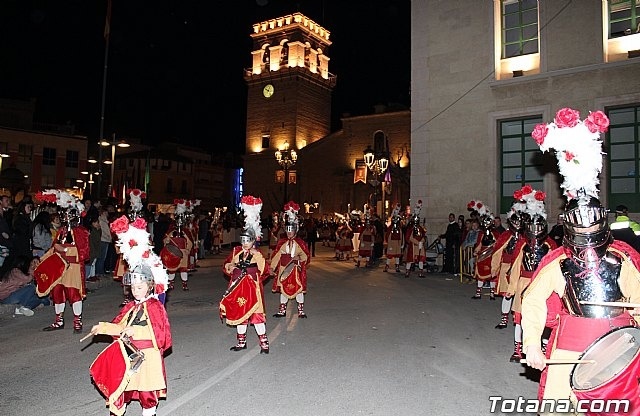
[{"x": 163, "y": 82}]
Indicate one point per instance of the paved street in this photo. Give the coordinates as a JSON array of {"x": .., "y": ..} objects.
[{"x": 375, "y": 344}]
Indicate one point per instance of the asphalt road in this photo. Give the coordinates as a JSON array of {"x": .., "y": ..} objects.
[{"x": 375, "y": 344}]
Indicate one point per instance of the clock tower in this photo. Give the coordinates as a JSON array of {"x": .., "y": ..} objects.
[{"x": 288, "y": 100}]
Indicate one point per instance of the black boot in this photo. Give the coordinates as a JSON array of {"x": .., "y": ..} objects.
[{"x": 478, "y": 294}]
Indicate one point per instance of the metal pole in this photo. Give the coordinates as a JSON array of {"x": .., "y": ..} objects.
[
  {"x": 104, "y": 94},
  {"x": 113, "y": 165},
  {"x": 286, "y": 183}
]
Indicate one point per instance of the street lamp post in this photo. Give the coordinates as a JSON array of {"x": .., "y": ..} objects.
[
  {"x": 113, "y": 143},
  {"x": 377, "y": 160},
  {"x": 286, "y": 159}
]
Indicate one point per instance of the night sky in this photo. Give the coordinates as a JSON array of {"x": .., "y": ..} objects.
[{"x": 162, "y": 80}]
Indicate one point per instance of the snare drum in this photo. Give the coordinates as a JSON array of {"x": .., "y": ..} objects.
[
  {"x": 171, "y": 256},
  {"x": 614, "y": 375}
]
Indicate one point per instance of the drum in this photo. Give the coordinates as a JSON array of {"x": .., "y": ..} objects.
[
  {"x": 485, "y": 253},
  {"x": 240, "y": 300},
  {"x": 171, "y": 256},
  {"x": 614, "y": 375},
  {"x": 49, "y": 272},
  {"x": 286, "y": 270}
]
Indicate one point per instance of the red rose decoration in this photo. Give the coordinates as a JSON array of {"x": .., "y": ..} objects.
[
  {"x": 133, "y": 243},
  {"x": 145, "y": 255},
  {"x": 479, "y": 205},
  {"x": 517, "y": 195},
  {"x": 539, "y": 133},
  {"x": 568, "y": 156},
  {"x": 121, "y": 225},
  {"x": 567, "y": 117},
  {"x": 187, "y": 203},
  {"x": 135, "y": 192},
  {"x": 527, "y": 189},
  {"x": 140, "y": 224},
  {"x": 159, "y": 288},
  {"x": 540, "y": 196},
  {"x": 143, "y": 195},
  {"x": 471, "y": 204},
  {"x": 597, "y": 122}
]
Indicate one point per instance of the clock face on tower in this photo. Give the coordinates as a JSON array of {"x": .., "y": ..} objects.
[{"x": 267, "y": 91}]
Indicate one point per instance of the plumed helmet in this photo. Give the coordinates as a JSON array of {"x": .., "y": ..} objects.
[
  {"x": 535, "y": 228},
  {"x": 514, "y": 221},
  {"x": 247, "y": 235},
  {"x": 140, "y": 274},
  {"x": 586, "y": 229}
]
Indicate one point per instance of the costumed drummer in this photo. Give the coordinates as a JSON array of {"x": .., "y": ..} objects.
[
  {"x": 71, "y": 249},
  {"x": 416, "y": 240},
  {"x": 243, "y": 302},
  {"x": 589, "y": 270},
  {"x": 132, "y": 367},
  {"x": 289, "y": 264},
  {"x": 503, "y": 256},
  {"x": 176, "y": 239},
  {"x": 483, "y": 250},
  {"x": 394, "y": 240}
]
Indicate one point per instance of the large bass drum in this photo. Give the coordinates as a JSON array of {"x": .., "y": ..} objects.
[{"x": 613, "y": 375}]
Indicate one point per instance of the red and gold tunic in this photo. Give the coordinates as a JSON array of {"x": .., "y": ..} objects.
[{"x": 290, "y": 280}]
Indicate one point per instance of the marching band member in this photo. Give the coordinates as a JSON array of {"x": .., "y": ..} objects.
[
  {"x": 71, "y": 243},
  {"x": 529, "y": 251},
  {"x": 589, "y": 269},
  {"x": 415, "y": 238},
  {"x": 483, "y": 250},
  {"x": 141, "y": 326},
  {"x": 394, "y": 240},
  {"x": 177, "y": 238},
  {"x": 247, "y": 270},
  {"x": 503, "y": 255},
  {"x": 289, "y": 264},
  {"x": 274, "y": 234},
  {"x": 367, "y": 237},
  {"x": 344, "y": 240}
]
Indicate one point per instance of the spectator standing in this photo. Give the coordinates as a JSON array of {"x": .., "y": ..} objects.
[
  {"x": 105, "y": 242},
  {"x": 42, "y": 238},
  {"x": 203, "y": 233},
  {"x": 312, "y": 235},
  {"x": 452, "y": 245},
  {"x": 557, "y": 231},
  {"x": 498, "y": 228},
  {"x": 91, "y": 212},
  {"x": 23, "y": 229},
  {"x": 95, "y": 239}
]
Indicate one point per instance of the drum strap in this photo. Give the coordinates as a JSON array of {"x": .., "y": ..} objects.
[{"x": 577, "y": 333}]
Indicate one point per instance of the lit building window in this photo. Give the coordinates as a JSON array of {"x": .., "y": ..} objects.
[
  {"x": 519, "y": 27},
  {"x": 624, "y": 154},
  {"x": 624, "y": 17},
  {"x": 520, "y": 161}
]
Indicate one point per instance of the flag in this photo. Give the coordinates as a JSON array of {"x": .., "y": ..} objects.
[
  {"x": 107, "y": 23},
  {"x": 360, "y": 173}
]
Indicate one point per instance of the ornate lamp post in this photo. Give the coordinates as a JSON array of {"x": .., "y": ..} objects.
[
  {"x": 113, "y": 143},
  {"x": 286, "y": 159},
  {"x": 377, "y": 160}
]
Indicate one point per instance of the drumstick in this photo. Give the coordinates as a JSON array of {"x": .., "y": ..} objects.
[
  {"x": 614, "y": 304},
  {"x": 561, "y": 361},
  {"x": 86, "y": 336}
]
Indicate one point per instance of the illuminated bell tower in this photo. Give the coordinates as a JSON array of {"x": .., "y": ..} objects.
[{"x": 288, "y": 97}]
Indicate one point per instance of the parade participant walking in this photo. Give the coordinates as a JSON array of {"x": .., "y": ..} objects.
[
  {"x": 367, "y": 239},
  {"x": 344, "y": 240},
  {"x": 416, "y": 239},
  {"x": 289, "y": 264},
  {"x": 141, "y": 326},
  {"x": 528, "y": 253},
  {"x": 483, "y": 250},
  {"x": 70, "y": 246},
  {"x": 589, "y": 271},
  {"x": 177, "y": 247},
  {"x": 394, "y": 240},
  {"x": 503, "y": 255},
  {"x": 243, "y": 302}
]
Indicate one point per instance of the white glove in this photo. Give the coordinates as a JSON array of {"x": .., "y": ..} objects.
[{"x": 420, "y": 245}]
